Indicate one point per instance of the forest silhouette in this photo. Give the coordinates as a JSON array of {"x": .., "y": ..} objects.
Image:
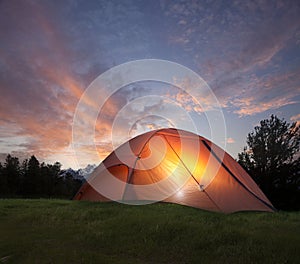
[{"x": 32, "y": 179}]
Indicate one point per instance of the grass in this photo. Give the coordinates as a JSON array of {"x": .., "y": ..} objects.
[{"x": 60, "y": 231}]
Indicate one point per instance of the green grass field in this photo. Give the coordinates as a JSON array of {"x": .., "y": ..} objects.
[{"x": 59, "y": 231}]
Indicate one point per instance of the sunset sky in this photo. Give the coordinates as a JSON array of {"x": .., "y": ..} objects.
[{"x": 248, "y": 52}]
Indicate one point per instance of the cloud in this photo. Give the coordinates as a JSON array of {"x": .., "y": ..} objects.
[
  {"x": 296, "y": 118},
  {"x": 148, "y": 123},
  {"x": 230, "y": 140},
  {"x": 39, "y": 93},
  {"x": 250, "y": 106},
  {"x": 252, "y": 94},
  {"x": 241, "y": 49}
]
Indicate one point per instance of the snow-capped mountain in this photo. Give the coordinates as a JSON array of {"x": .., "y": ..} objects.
[
  {"x": 87, "y": 170},
  {"x": 80, "y": 174}
]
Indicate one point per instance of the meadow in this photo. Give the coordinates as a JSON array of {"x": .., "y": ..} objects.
[{"x": 62, "y": 231}]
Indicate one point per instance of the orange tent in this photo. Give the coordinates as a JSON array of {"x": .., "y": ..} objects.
[{"x": 176, "y": 166}]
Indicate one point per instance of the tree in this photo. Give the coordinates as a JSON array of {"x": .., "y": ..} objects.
[
  {"x": 3, "y": 182},
  {"x": 11, "y": 172},
  {"x": 32, "y": 179},
  {"x": 51, "y": 173},
  {"x": 272, "y": 155}
]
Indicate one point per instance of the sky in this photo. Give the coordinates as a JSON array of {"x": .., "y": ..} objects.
[{"x": 248, "y": 53}]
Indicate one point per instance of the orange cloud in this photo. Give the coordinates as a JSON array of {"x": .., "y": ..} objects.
[
  {"x": 44, "y": 120},
  {"x": 230, "y": 140},
  {"x": 296, "y": 118},
  {"x": 250, "y": 106}
]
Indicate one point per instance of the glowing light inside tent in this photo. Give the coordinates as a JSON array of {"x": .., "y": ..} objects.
[{"x": 180, "y": 194}]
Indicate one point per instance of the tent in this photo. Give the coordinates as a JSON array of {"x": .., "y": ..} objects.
[{"x": 176, "y": 166}]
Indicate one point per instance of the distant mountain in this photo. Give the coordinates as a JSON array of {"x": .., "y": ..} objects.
[
  {"x": 87, "y": 170},
  {"x": 80, "y": 174}
]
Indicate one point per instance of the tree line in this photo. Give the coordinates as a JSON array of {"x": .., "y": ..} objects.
[
  {"x": 272, "y": 159},
  {"x": 32, "y": 179}
]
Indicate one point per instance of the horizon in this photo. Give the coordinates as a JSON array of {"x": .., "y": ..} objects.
[{"x": 248, "y": 53}]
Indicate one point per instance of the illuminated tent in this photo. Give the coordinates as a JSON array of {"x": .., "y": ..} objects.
[{"x": 174, "y": 166}]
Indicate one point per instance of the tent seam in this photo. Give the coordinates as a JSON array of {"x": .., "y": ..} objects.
[
  {"x": 232, "y": 175},
  {"x": 192, "y": 175},
  {"x": 136, "y": 160}
]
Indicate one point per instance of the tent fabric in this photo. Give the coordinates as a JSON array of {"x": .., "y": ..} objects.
[{"x": 178, "y": 167}]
